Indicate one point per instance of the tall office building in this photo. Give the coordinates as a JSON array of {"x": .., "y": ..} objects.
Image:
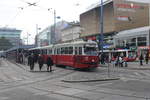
[{"x": 13, "y": 35}]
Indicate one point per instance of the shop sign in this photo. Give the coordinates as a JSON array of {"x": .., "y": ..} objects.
[
  {"x": 123, "y": 18},
  {"x": 128, "y": 7},
  {"x": 91, "y": 38}
]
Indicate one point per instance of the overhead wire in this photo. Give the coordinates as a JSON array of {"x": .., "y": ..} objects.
[{"x": 14, "y": 18}]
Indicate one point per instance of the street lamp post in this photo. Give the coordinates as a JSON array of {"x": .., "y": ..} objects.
[
  {"x": 55, "y": 17},
  {"x": 54, "y": 25},
  {"x": 27, "y": 38}
]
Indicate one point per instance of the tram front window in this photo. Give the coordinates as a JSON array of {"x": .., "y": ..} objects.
[{"x": 90, "y": 51}]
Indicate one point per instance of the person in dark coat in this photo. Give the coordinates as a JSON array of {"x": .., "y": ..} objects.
[
  {"x": 141, "y": 59},
  {"x": 31, "y": 62},
  {"x": 147, "y": 57},
  {"x": 49, "y": 64},
  {"x": 102, "y": 58},
  {"x": 40, "y": 62}
]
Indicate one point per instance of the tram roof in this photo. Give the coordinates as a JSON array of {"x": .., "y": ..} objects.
[
  {"x": 76, "y": 43},
  {"x": 20, "y": 47},
  {"x": 133, "y": 32},
  {"x": 65, "y": 44},
  {"x": 44, "y": 47}
]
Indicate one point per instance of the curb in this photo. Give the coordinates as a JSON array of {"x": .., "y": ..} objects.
[
  {"x": 139, "y": 68},
  {"x": 78, "y": 81}
]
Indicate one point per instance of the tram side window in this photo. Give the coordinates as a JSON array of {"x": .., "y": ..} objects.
[
  {"x": 70, "y": 50},
  {"x": 43, "y": 51},
  {"x": 76, "y": 50},
  {"x": 55, "y": 51},
  {"x": 50, "y": 51},
  {"x": 58, "y": 50},
  {"x": 80, "y": 50},
  {"x": 62, "y": 50},
  {"x": 141, "y": 41},
  {"x": 66, "y": 50}
]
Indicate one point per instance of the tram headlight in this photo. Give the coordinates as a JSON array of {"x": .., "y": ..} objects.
[{"x": 93, "y": 60}]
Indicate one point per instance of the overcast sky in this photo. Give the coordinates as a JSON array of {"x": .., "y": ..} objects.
[{"x": 12, "y": 14}]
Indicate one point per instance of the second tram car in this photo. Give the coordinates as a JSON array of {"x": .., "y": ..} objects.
[
  {"x": 127, "y": 55},
  {"x": 79, "y": 54}
]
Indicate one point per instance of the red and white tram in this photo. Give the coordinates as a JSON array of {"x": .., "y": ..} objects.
[{"x": 79, "y": 54}]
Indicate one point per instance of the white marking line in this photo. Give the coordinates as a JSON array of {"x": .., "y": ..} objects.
[
  {"x": 16, "y": 79},
  {"x": 69, "y": 91},
  {"x": 128, "y": 78},
  {"x": 146, "y": 73},
  {"x": 138, "y": 74},
  {"x": 41, "y": 93},
  {"x": 103, "y": 84},
  {"x": 4, "y": 98}
]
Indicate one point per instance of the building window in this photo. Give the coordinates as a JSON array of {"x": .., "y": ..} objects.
[{"x": 141, "y": 41}]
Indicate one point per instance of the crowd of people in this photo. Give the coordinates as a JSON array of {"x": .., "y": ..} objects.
[
  {"x": 141, "y": 58},
  {"x": 120, "y": 61},
  {"x": 35, "y": 58}
]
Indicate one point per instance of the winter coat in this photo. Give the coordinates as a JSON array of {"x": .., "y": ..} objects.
[
  {"x": 40, "y": 60},
  {"x": 141, "y": 57},
  {"x": 30, "y": 60},
  {"x": 49, "y": 61}
]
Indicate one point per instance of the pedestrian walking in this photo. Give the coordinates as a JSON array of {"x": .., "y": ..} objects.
[
  {"x": 40, "y": 62},
  {"x": 147, "y": 57},
  {"x": 141, "y": 59},
  {"x": 117, "y": 61},
  {"x": 49, "y": 64},
  {"x": 120, "y": 61},
  {"x": 102, "y": 58},
  {"x": 31, "y": 62}
]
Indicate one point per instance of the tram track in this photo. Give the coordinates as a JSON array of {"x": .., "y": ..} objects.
[
  {"x": 36, "y": 81},
  {"x": 62, "y": 74},
  {"x": 93, "y": 91},
  {"x": 52, "y": 92}
]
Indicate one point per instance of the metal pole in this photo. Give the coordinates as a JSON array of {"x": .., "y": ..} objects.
[
  {"x": 37, "y": 35},
  {"x": 101, "y": 25},
  {"x": 27, "y": 37},
  {"x": 54, "y": 24}
]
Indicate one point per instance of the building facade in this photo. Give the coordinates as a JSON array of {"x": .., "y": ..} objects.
[
  {"x": 13, "y": 35},
  {"x": 71, "y": 32},
  {"x": 51, "y": 35},
  {"x": 43, "y": 37},
  {"x": 118, "y": 15}
]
